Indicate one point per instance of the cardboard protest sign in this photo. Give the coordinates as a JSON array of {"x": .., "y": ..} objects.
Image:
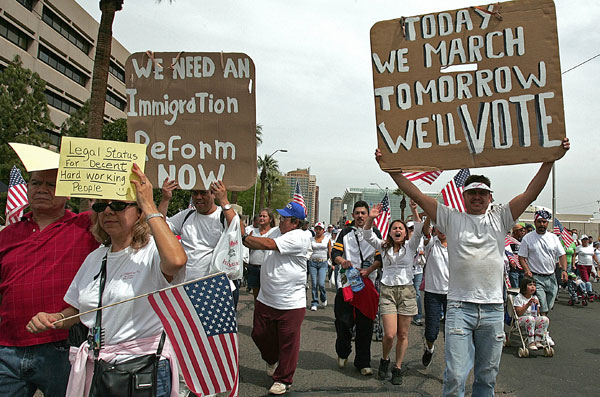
[
  {"x": 94, "y": 168},
  {"x": 35, "y": 158},
  {"x": 196, "y": 112},
  {"x": 507, "y": 109}
]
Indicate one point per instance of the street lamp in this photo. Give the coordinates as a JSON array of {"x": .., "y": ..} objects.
[
  {"x": 254, "y": 202},
  {"x": 376, "y": 184}
]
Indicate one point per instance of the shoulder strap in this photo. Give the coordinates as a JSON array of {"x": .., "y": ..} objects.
[
  {"x": 362, "y": 260},
  {"x": 161, "y": 344},
  {"x": 98, "y": 324},
  {"x": 222, "y": 218},
  {"x": 190, "y": 212}
]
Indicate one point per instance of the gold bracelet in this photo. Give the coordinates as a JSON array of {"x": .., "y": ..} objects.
[{"x": 62, "y": 315}]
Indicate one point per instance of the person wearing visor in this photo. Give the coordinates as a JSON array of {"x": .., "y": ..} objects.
[
  {"x": 281, "y": 303},
  {"x": 475, "y": 313},
  {"x": 318, "y": 265}
]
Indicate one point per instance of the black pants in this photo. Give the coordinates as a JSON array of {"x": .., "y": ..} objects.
[{"x": 346, "y": 317}]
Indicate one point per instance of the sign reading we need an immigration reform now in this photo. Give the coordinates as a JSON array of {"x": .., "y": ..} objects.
[
  {"x": 196, "y": 112},
  {"x": 95, "y": 168},
  {"x": 504, "y": 107}
]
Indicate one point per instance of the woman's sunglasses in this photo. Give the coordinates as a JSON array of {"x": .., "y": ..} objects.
[{"x": 114, "y": 205}]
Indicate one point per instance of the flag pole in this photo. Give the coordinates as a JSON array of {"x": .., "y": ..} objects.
[
  {"x": 137, "y": 297},
  {"x": 553, "y": 195}
]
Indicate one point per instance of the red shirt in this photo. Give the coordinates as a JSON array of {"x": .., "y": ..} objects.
[{"x": 36, "y": 269}]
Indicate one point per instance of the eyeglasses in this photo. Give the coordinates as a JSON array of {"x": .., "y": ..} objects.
[{"x": 114, "y": 205}]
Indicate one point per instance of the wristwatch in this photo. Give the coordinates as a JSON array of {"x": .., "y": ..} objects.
[{"x": 226, "y": 207}]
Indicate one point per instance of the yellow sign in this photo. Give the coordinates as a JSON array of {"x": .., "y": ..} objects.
[{"x": 94, "y": 168}]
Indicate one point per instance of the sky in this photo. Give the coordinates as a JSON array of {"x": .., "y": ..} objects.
[{"x": 314, "y": 84}]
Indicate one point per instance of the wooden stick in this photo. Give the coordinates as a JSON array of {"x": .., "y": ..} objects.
[{"x": 137, "y": 297}]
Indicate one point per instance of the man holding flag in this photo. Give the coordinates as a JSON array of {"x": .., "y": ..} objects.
[{"x": 476, "y": 240}]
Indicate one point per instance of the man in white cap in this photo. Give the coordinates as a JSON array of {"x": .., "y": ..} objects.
[{"x": 475, "y": 314}]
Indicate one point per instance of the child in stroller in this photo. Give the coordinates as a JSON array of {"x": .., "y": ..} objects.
[
  {"x": 579, "y": 291},
  {"x": 527, "y": 308}
]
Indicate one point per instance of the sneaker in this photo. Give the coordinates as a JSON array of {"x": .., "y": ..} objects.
[
  {"x": 383, "y": 368},
  {"x": 396, "y": 376},
  {"x": 426, "y": 359},
  {"x": 538, "y": 344},
  {"x": 313, "y": 308},
  {"x": 418, "y": 322},
  {"x": 549, "y": 340},
  {"x": 324, "y": 303},
  {"x": 271, "y": 368},
  {"x": 342, "y": 362},
  {"x": 532, "y": 346},
  {"x": 367, "y": 371},
  {"x": 279, "y": 388}
]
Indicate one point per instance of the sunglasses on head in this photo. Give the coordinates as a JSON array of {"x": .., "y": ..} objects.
[{"x": 114, "y": 205}]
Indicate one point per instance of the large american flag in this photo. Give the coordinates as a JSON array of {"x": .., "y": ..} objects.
[
  {"x": 297, "y": 197},
  {"x": 16, "y": 199},
  {"x": 452, "y": 192},
  {"x": 428, "y": 176},
  {"x": 200, "y": 321},
  {"x": 382, "y": 222},
  {"x": 561, "y": 232}
]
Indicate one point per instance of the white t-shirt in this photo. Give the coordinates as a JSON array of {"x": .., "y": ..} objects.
[
  {"x": 542, "y": 251},
  {"x": 354, "y": 243},
  {"x": 436, "y": 275},
  {"x": 475, "y": 252},
  {"x": 419, "y": 257},
  {"x": 199, "y": 237},
  {"x": 584, "y": 255},
  {"x": 257, "y": 257},
  {"x": 521, "y": 300},
  {"x": 597, "y": 253},
  {"x": 397, "y": 266},
  {"x": 283, "y": 273},
  {"x": 129, "y": 273},
  {"x": 319, "y": 250}
]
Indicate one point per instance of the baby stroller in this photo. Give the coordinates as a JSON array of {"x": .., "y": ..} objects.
[
  {"x": 512, "y": 323},
  {"x": 577, "y": 292}
]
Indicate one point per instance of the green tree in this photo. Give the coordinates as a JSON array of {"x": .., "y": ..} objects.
[
  {"x": 24, "y": 116},
  {"x": 268, "y": 166}
]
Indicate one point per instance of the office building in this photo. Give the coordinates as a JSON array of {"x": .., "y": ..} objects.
[
  {"x": 335, "y": 211},
  {"x": 309, "y": 189},
  {"x": 57, "y": 39}
]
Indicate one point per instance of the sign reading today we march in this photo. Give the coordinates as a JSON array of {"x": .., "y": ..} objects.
[
  {"x": 504, "y": 108},
  {"x": 196, "y": 113}
]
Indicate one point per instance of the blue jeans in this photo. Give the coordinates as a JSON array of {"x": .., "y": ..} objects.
[
  {"x": 25, "y": 369},
  {"x": 515, "y": 278},
  {"x": 417, "y": 278},
  {"x": 474, "y": 336},
  {"x": 163, "y": 379},
  {"x": 435, "y": 306},
  {"x": 318, "y": 272}
]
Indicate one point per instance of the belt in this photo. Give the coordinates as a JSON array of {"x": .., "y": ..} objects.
[
  {"x": 319, "y": 260},
  {"x": 542, "y": 275}
]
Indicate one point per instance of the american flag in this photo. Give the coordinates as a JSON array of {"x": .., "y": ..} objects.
[
  {"x": 382, "y": 222},
  {"x": 16, "y": 199},
  {"x": 298, "y": 198},
  {"x": 452, "y": 192},
  {"x": 200, "y": 321},
  {"x": 508, "y": 240},
  {"x": 428, "y": 176},
  {"x": 561, "y": 232}
]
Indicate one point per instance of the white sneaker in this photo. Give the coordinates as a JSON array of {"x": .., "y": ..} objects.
[
  {"x": 549, "y": 340},
  {"x": 324, "y": 303},
  {"x": 271, "y": 368},
  {"x": 342, "y": 362},
  {"x": 366, "y": 371},
  {"x": 313, "y": 308},
  {"x": 279, "y": 388}
]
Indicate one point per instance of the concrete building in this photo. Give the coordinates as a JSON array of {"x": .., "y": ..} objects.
[
  {"x": 309, "y": 189},
  {"x": 57, "y": 39},
  {"x": 374, "y": 196},
  {"x": 335, "y": 211},
  {"x": 584, "y": 223}
]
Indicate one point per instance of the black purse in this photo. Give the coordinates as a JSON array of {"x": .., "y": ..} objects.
[{"x": 132, "y": 378}]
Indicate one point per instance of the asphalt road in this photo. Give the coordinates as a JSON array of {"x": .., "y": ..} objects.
[{"x": 572, "y": 371}]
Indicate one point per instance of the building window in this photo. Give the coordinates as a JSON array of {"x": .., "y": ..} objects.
[
  {"x": 54, "y": 137},
  {"x": 26, "y": 3},
  {"x": 116, "y": 71},
  {"x": 60, "y": 103},
  {"x": 115, "y": 100},
  {"x": 65, "y": 30},
  {"x": 55, "y": 62},
  {"x": 13, "y": 35}
]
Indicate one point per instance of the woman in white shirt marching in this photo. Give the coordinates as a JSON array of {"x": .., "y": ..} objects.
[
  {"x": 266, "y": 227},
  {"x": 321, "y": 250},
  {"x": 397, "y": 299},
  {"x": 584, "y": 255}
]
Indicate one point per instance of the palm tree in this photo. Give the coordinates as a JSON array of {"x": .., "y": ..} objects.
[
  {"x": 268, "y": 166},
  {"x": 272, "y": 181},
  {"x": 399, "y": 192},
  {"x": 234, "y": 194}
]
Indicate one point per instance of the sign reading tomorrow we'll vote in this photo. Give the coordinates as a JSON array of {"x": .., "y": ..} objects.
[
  {"x": 505, "y": 105},
  {"x": 98, "y": 169},
  {"x": 196, "y": 112}
]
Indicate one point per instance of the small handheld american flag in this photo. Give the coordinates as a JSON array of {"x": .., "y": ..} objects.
[
  {"x": 427, "y": 176},
  {"x": 16, "y": 200},
  {"x": 298, "y": 198},
  {"x": 382, "y": 222},
  {"x": 562, "y": 233},
  {"x": 452, "y": 192}
]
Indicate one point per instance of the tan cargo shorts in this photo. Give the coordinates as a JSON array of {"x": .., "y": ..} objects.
[{"x": 398, "y": 299}]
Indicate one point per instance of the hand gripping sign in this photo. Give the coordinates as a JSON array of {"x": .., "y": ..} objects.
[
  {"x": 196, "y": 112},
  {"x": 505, "y": 105}
]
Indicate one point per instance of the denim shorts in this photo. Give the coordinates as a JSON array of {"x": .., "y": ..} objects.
[{"x": 398, "y": 299}]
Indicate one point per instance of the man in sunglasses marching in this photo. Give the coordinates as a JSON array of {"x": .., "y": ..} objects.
[{"x": 39, "y": 256}]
